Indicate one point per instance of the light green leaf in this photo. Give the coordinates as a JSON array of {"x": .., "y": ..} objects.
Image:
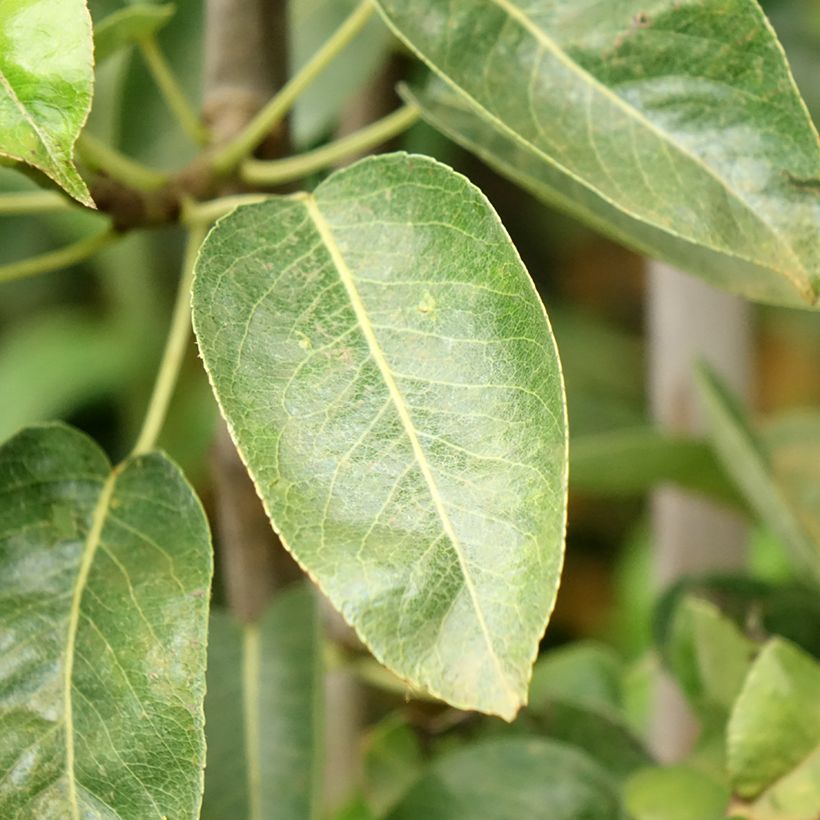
[
  {"x": 708, "y": 655},
  {"x": 103, "y": 624},
  {"x": 682, "y": 116},
  {"x": 311, "y": 23},
  {"x": 127, "y": 25},
  {"x": 788, "y": 507},
  {"x": 675, "y": 793},
  {"x": 389, "y": 376},
  {"x": 263, "y": 712},
  {"x": 46, "y": 83},
  {"x": 510, "y": 779},
  {"x": 774, "y": 732}
]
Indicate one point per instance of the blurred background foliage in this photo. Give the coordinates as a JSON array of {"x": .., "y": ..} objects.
[{"x": 82, "y": 344}]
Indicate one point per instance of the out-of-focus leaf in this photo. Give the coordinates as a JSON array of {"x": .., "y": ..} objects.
[
  {"x": 103, "y": 624},
  {"x": 390, "y": 378},
  {"x": 789, "y": 610},
  {"x": 392, "y": 762},
  {"x": 263, "y": 712},
  {"x": 675, "y": 793},
  {"x": 782, "y": 504},
  {"x": 312, "y": 22},
  {"x": 708, "y": 655},
  {"x": 633, "y": 462},
  {"x": 129, "y": 24},
  {"x": 57, "y": 361},
  {"x": 46, "y": 84},
  {"x": 645, "y": 119},
  {"x": 774, "y": 734},
  {"x": 585, "y": 673},
  {"x": 510, "y": 779}
]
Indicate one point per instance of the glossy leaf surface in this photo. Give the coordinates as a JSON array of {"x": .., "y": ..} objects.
[
  {"x": 675, "y": 793},
  {"x": 390, "y": 378},
  {"x": 774, "y": 733},
  {"x": 46, "y": 83},
  {"x": 263, "y": 712},
  {"x": 103, "y": 623},
  {"x": 526, "y": 777},
  {"x": 127, "y": 25},
  {"x": 682, "y": 116}
]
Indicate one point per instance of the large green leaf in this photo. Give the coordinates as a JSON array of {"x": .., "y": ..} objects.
[
  {"x": 103, "y": 619},
  {"x": 263, "y": 712},
  {"x": 683, "y": 116},
  {"x": 511, "y": 779},
  {"x": 774, "y": 734},
  {"x": 389, "y": 376},
  {"x": 46, "y": 82},
  {"x": 789, "y": 506}
]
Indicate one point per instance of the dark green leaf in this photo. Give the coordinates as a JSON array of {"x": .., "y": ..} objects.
[
  {"x": 104, "y": 608},
  {"x": 774, "y": 733},
  {"x": 263, "y": 712},
  {"x": 129, "y": 24},
  {"x": 46, "y": 83},
  {"x": 512, "y": 779},
  {"x": 682, "y": 117},
  {"x": 788, "y": 507},
  {"x": 390, "y": 378}
]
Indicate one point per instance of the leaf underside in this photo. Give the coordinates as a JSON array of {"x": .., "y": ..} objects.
[
  {"x": 46, "y": 84},
  {"x": 675, "y": 126},
  {"x": 103, "y": 622},
  {"x": 391, "y": 381}
]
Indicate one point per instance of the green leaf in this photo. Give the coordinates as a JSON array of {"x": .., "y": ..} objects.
[
  {"x": 708, "y": 655},
  {"x": 675, "y": 793},
  {"x": 683, "y": 117},
  {"x": 127, "y": 25},
  {"x": 532, "y": 778},
  {"x": 774, "y": 732},
  {"x": 789, "y": 508},
  {"x": 46, "y": 83},
  {"x": 633, "y": 462},
  {"x": 585, "y": 673},
  {"x": 389, "y": 376},
  {"x": 263, "y": 712},
  {"x": 55, "y": 361},
  {"x": 104, "y": 608},
  {"x": 392, "y": 762}
]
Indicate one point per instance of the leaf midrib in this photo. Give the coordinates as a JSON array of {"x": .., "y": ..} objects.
[
  {"x": 4, "y": 81},
  {"x": 799, "y": 279},
  {"x": 92, "y": 542},
  {"x": 365, "y": 325}
]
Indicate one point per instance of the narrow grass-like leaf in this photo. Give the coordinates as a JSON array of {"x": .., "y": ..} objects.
[
  {"x": 683, "y": 116},
  {"x": 127, "y": 25},
  {"x": 46, "y": 83},
  {"x": 792, "y": 513},
  {"x": 389, "y": 376},
  {"x": 103, "y": 619},
  {"x": 263, "y": 712}
]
